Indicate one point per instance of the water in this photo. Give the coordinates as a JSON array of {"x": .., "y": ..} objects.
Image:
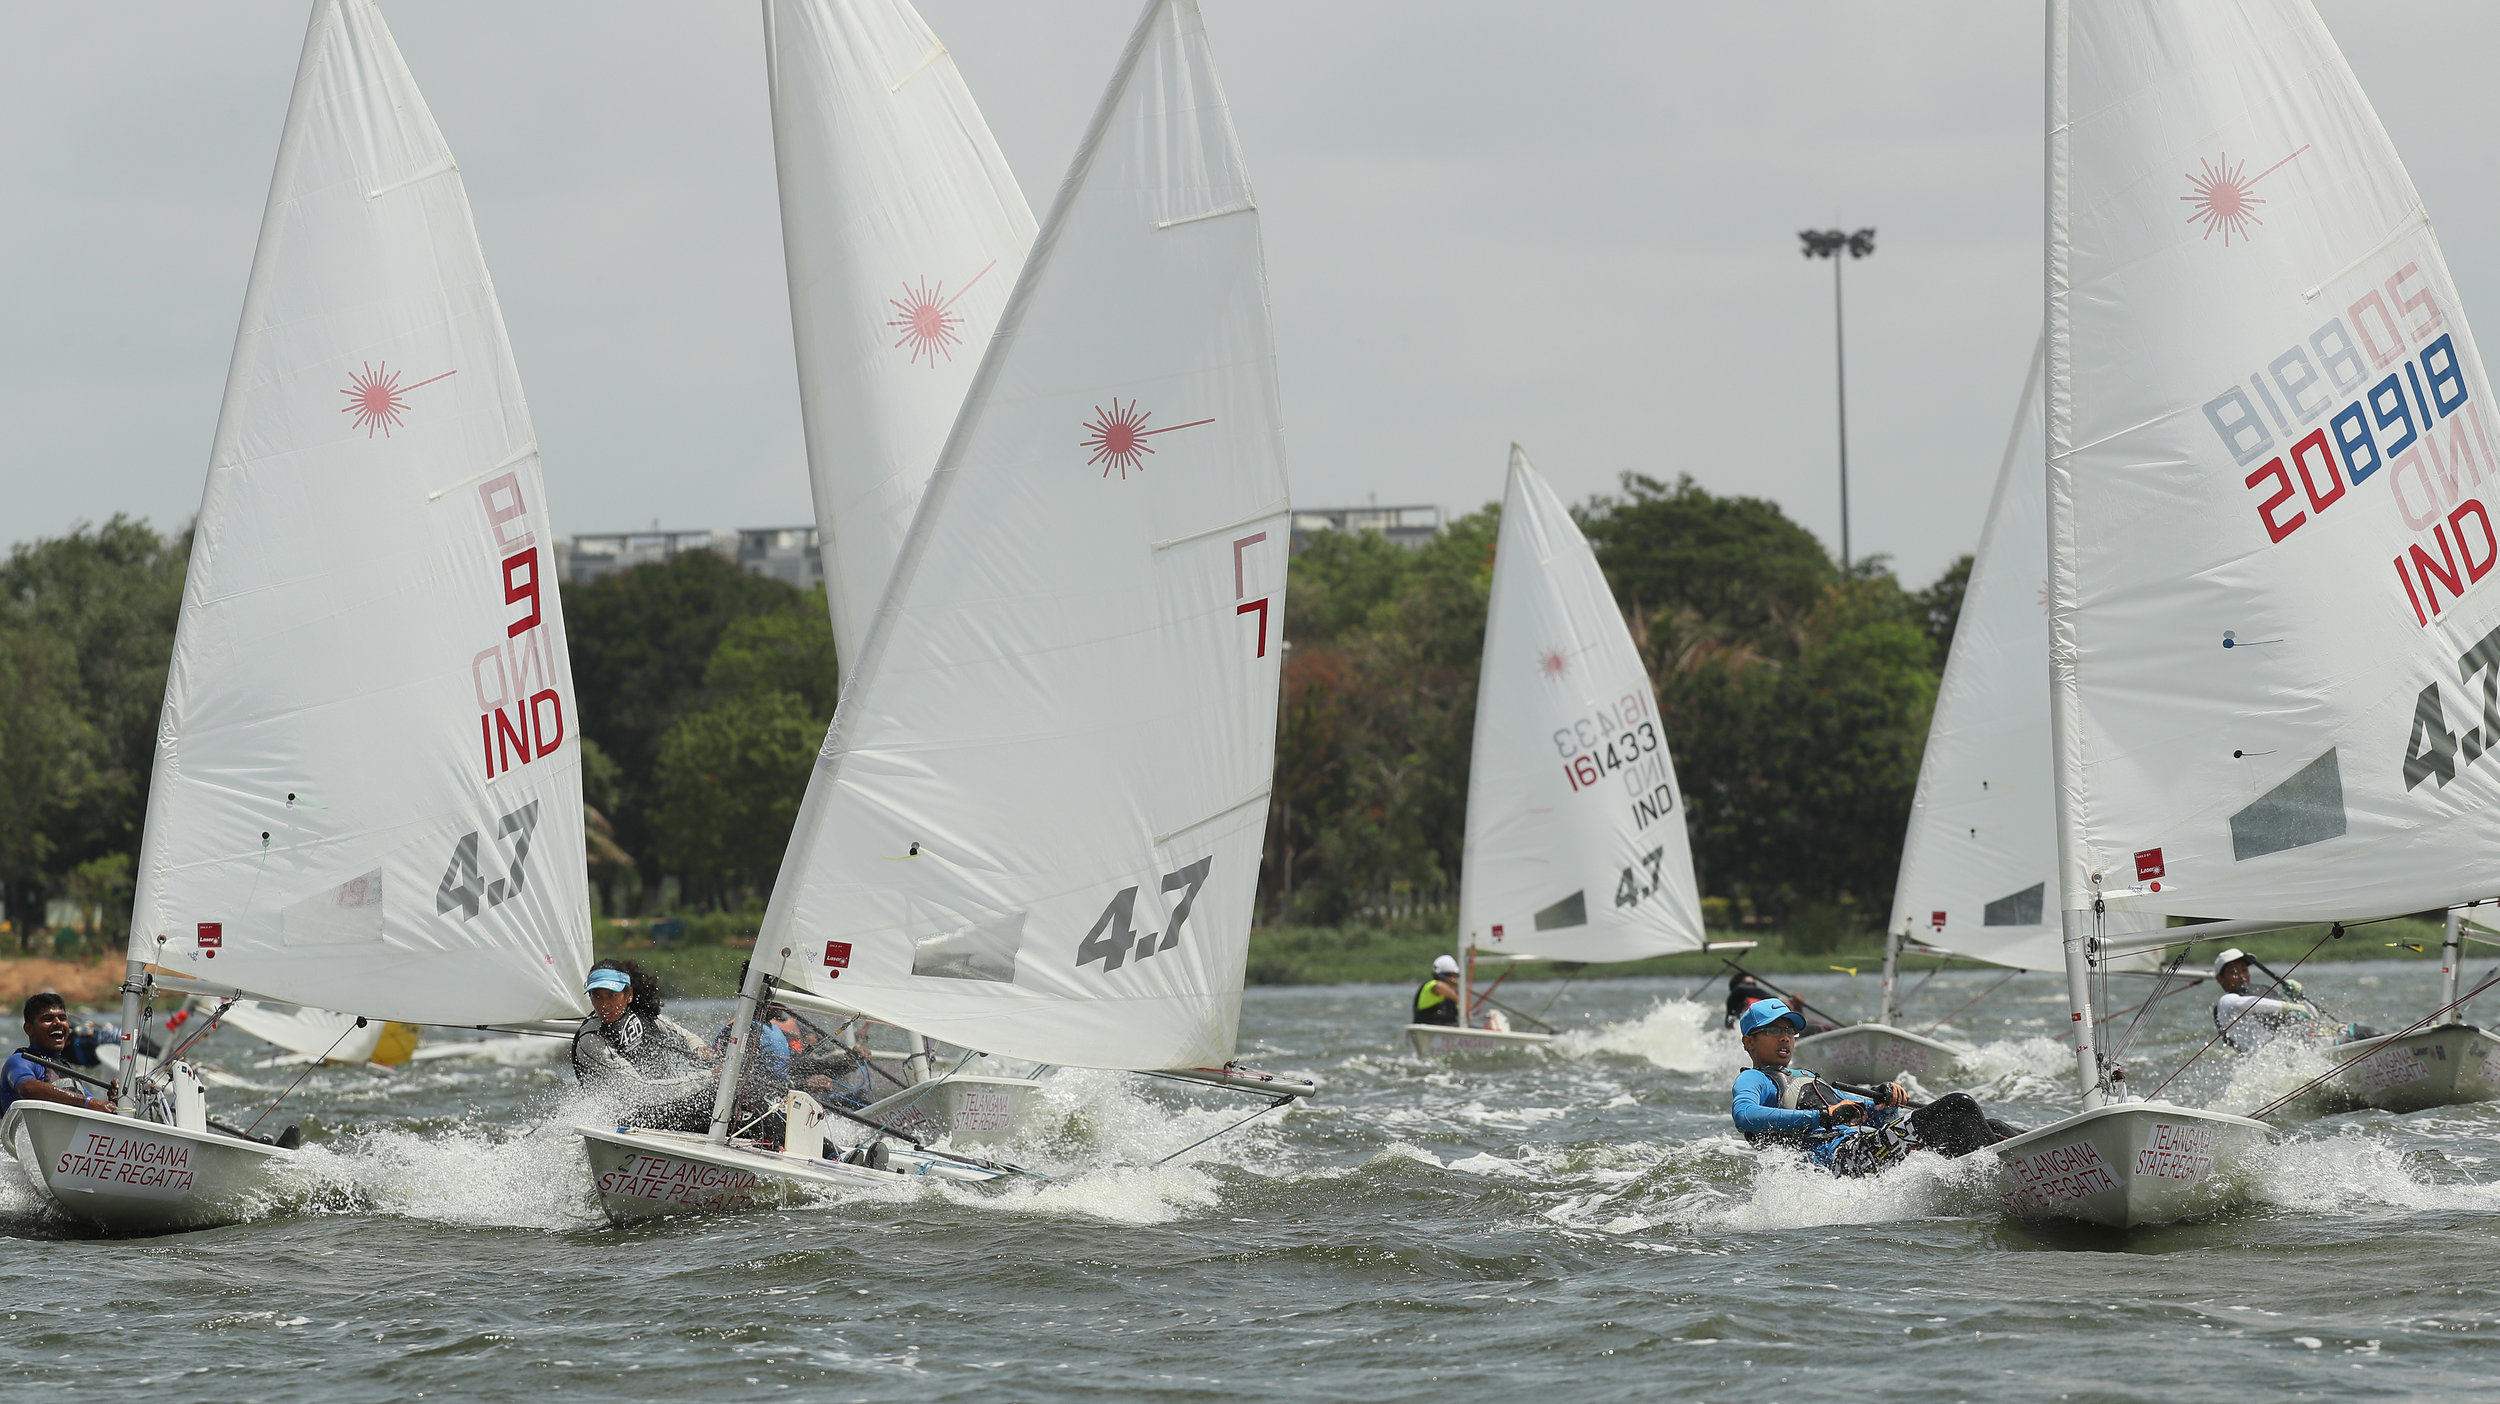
[{"x": 1575, "y": 1223}]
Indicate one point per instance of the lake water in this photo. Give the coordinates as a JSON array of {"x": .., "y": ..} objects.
[{"x": 1573, "y": 1224}]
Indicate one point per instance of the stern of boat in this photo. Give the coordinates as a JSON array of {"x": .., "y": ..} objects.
[
  {"x": 2439, "y": 1067},
  {"x": 645, "y": 1174},
  {"x": 1437, "y": 1040},
  {"x": 1867, "y": 1053}
]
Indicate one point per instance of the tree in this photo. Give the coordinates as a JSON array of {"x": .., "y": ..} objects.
[
  {"x": 640, "y": 640},
  {"x": 730, "y": 777},
  {"x": 1737, "y": 562},
  {"x": 1941, "y": 605},
  {"x": 91, "y": 616}
]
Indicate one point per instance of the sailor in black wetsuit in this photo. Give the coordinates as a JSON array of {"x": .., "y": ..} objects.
[{"x": 629, "y": 1048}]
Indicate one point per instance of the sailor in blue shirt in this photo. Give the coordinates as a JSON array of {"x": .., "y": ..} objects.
[
  {"x": 1778, "y": 1104},
  {"x": 1848, "y": 1130},
  {"x": 47, "y": 1033}
]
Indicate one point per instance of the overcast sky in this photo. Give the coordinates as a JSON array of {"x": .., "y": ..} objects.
[{"x": 1573, "y": 226}]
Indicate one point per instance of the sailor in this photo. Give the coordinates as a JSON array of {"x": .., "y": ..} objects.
[
  {"x": 628, "y": 1045},
  {"x": 1849, "y": 1131},
  {"x": 1743, "y": 989},
  {"x": 2249, "y": 1018},
  {"x": 46, "y": 1017},
  {"x": 1436, "y": 999},
  {"x": 819, "y": 1062}
]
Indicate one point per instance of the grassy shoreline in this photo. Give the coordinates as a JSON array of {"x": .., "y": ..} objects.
[{"x": 707, "y": 963}]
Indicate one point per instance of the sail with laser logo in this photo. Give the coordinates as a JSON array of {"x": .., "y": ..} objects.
[
  {"x": 903, "y": 231},
  {"x": 367, "y": 792},
  {"x": 1576, "y": 848},
  {"x": 1036, "y": 825},
  {"x": 2270, "y": 464}
]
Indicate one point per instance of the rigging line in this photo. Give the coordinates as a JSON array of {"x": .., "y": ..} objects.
[
  {"x": 1974, "y": 999},
  {"x": 2159, "y": 990},
  {"x": 1557, "y": 999},
  {"x": 2279, "y": 1103},
  {"x": 180, "y": 1048},
  {"x": 1796, "y": 1002},
  {"x": 1202, "y": 1140},
  {"x": 307, "y": 1072},
  {"x": 2219, "y": 1034},
  {"x": 1932, "y": 972}
]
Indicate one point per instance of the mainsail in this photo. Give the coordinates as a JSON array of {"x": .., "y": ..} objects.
[
  {"x": 1576, "y": 847},
  {"x": 2268, "y": 464},
  {"x": 1036, "y": 825},
  {"x": 903, "y": 231},
  {"x": 367, "y": 792}
]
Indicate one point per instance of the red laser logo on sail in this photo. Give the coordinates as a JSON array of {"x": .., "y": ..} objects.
[
  {"x": 1552, "y": 663},
  {"x": 2225, "y": 200},
  {"x": 377, "y": 399},
  {"x": 925, "y": 318},
  {"x": 1118, "y": 437}
]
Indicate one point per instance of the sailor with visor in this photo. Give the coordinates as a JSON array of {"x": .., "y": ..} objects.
[{"x": 1847, "y": 1130}]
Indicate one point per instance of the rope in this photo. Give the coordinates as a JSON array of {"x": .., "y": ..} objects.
[
  {"x": 1932, "y": 972},
  {"x": 2159, "y": 990},
  {"x": 1974, "y": 999},
  {"x": 1796, "y": 1002},
  {"x": 2442, "y": 1011},
  {"x": 307, "y": 1072},
  {"x": 1202, "y": 1140},
  {"x": 2332, "y": 933}
]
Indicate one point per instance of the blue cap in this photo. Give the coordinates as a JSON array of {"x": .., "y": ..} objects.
[
  {"x": 608, "y": 977},
  {"x": 1768, "y": 1011}
]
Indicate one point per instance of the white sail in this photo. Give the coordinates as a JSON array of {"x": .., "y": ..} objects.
[
  {"x": 324, "y": 1034},
  {"x": 1036, "y": 825},
  {"x": 2270, "y": 440},
  {"x": 1576, "y": 848},
  {"x": 903, "y": 231},
  {"x": 367, "y": 792}
]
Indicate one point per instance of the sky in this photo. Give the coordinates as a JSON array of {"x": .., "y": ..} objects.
[{"x": 1570, "y": 226}]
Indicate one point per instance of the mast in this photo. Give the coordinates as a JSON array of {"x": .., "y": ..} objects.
[
  {"x": 2450, "y": 950},
  {"x": 2076, "y": 898},
  {"x": 1892, "y": 957}
]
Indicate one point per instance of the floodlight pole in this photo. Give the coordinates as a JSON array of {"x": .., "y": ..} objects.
[{"x": 1831, "y": 243}]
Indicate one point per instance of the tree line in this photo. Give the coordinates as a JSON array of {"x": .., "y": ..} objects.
[{"x": 1795, "y": 696}]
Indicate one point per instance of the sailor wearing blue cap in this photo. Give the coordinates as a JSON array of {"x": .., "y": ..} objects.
[{"x": 1851, "y": 1131}]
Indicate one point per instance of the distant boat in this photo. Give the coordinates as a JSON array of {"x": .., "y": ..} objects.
[
  {"x": 1036, "y": 826},
  {"x": 367, "y": 792},
  {"x": 1576, "y": 847},
  {"x": 2266, "y": 465}
]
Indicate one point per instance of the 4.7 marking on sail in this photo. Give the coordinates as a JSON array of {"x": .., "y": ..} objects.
[{"x": 1113, "y": 934}]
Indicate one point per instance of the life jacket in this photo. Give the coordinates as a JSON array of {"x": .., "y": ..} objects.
[
  {"x": 1800, "y": 1091},
  {"x": 1432, "y": 1006},
  {"x": 634, "y": 1039}
]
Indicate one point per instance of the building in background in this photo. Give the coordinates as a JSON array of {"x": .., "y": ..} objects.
[
  {"x": 793, "y": 554},
  {"x": 1404, "y": 526}
]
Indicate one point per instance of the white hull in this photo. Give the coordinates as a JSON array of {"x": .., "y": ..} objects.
[
  {"x": 965, "y": 1109},
  {"x": 1433, "y": 1040},
  {"x": 641, "y": 1174},
  {"x": 2439, "y": 1067},
  {"x": 2128, "y": 1164},
  {"x": 1866, "y": 1053},
  {"x": 130, "y": 1176}
]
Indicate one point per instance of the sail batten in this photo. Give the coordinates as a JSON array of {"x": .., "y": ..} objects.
[
  {"x": 367, "y": 792},
  {"x": 1036, "y": 823}
]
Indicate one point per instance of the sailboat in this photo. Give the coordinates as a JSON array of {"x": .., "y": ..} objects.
[
  {"x": 1575, "y": 848},
  {"x": 1035, "y": 827},
  {"x": 903, "y": 231},
  {"x": 367, "y": 791},
  {"x": 2266, "y": 471},
  {"x": 1979, "y": 856}
]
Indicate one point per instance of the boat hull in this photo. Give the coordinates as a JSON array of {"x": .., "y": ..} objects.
[
  {"x": 2129, "y": 1164},
  {"x": 2439, "y": 1067},
  {"x": 968, "y": 1110},
  {"x": 1867, "y": 1053},
  {"x": 1436, "y": 1040},
  {"x": 644, "y": 1174},
  {"x": 138, "y": 1177}
]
